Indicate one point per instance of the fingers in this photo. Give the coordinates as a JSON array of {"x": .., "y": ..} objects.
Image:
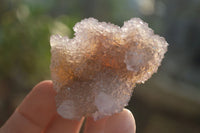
[
  {"x": 35, "y": 112},
  {"x": 61, "y": 125},
  {"x": 39, "y": 105},
  {"x": 17, "y": 123},
  {"x": 122, "y": 122}
]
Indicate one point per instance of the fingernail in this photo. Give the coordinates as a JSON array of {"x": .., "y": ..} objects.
[
  {"x": 92, "y": 126},
  {"x": 122, "y": 122}
]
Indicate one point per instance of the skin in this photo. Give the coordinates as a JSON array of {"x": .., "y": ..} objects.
[{"x": 37, "y": 114}]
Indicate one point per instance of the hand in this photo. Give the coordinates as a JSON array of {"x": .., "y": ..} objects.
[{"x": 37, "y": 114}]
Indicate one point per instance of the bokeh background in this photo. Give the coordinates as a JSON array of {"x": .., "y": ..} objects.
[{"x": 167, "y": 103}]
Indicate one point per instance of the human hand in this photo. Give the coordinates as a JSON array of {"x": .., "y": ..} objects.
[{"x": 37, "y": 114}]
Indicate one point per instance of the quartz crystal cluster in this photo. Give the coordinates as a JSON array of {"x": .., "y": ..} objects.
[{"x": 95, "y": 72}]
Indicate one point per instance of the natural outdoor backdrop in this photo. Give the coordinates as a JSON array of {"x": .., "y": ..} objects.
[{"x": 167, "y": 103}]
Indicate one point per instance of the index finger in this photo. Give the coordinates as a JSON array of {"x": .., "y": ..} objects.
[{"x": 35, "y": 112}]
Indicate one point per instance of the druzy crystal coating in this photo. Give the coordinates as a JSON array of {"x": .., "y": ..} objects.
[{"x": 95, "y": 72}]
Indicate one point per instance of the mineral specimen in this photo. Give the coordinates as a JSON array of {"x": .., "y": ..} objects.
[{"x": 95, "y": 72}]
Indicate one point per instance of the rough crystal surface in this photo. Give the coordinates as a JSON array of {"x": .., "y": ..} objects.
[{"x": 95, "y": 72}]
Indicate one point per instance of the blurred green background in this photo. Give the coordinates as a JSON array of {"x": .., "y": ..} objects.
[{"x": 167, "y": 103}]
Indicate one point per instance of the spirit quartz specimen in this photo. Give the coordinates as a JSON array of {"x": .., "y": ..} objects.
[{"x": 95, "y": 72}]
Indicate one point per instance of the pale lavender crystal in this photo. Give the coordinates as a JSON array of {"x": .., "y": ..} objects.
[{"x": 95, "y": 72}]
